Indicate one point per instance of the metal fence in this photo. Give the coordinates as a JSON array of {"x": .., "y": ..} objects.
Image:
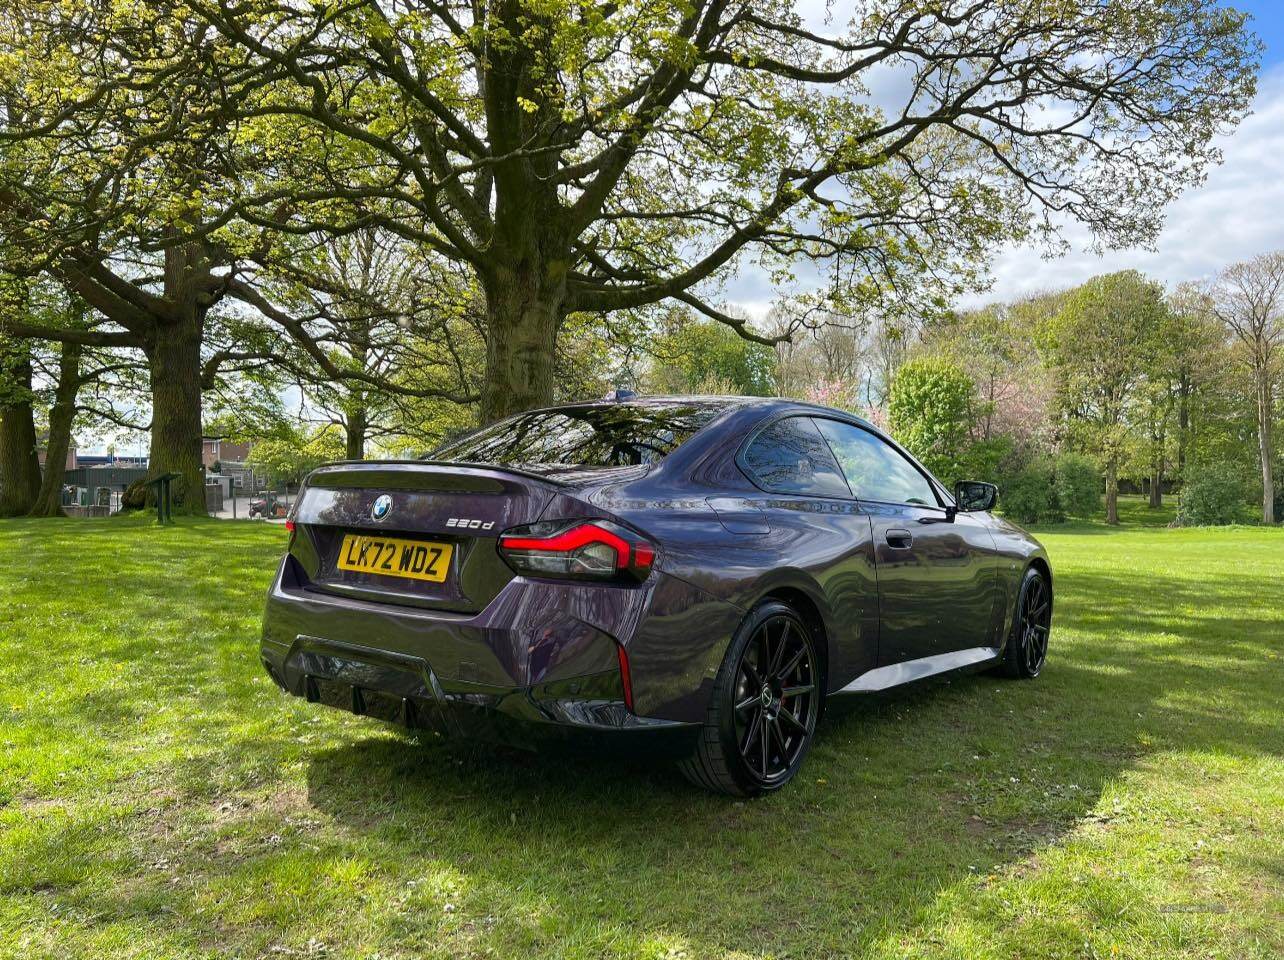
[
  {"x": 265, "y": 504},
  {"x": 234, "y": 495}
]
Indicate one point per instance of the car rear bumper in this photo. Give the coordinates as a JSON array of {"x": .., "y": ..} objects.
[{"x": 530, "y": 666}]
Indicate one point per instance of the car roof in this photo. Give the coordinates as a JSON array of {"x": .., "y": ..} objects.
[
  {"x": 664, "y": 400},
  {"x": 717, "y": 401}
]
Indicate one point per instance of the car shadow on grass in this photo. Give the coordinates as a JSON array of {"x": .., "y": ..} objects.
[
  {"x": 884, "y": 816},
  {"x": 905, "y": 795}
]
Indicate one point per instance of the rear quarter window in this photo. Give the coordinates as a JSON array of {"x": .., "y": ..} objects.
[{"x": 790, "y": 456}]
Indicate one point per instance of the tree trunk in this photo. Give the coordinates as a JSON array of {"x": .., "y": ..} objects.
[
  {"x": 1157, "y": 486},
  {"x": 1266, "y": 446},
  {"x": 524, "y": 311},
  {"x": 355, "y": 423},
  {"x": 1183, "y": 429},
  {"x": 1112, "y": 492},
  {"x": 61, "y": 417},
  {"x": 1158, "y": 439},
  {"x": 174, "y": 358},
  {"x": 19, "y": 462}
]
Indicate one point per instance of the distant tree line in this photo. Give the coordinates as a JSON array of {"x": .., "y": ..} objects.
[{"x": 1059, "y": 397}]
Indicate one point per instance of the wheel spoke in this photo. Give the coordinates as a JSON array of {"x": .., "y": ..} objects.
[
  {"x": 774, "y": 669},
  {"x": 779, "y": 737},
  {"x": 755, "y": 681},
  {"x": 792, "y": 665},
  {"x": 754, "y": 726},
  {"x": 1038, "y": 613},
  {"x": 748, "y": 702},
  {"x": 788, "y": 692},
  {"x": 766, "y": 749},
  {"x": 1033, "y": 650},
  {"x": 764, "y": 651},
  {"x": 792, "y": 721}
]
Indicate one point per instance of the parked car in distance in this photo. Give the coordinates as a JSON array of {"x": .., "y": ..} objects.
[
  {"x": 267, "y": 508},
  {"x": 704, "y": 570}
]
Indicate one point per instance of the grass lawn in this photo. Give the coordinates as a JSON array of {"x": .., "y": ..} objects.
[{"x": 159, "y": 797}]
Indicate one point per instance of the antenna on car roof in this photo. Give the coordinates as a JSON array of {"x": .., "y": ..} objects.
[{"x": 620, "y": 393}]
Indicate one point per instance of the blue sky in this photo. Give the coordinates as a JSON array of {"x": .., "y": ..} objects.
[
  {"x": 1237, "y": 213},
  {"x": 1268, "y": 23}
]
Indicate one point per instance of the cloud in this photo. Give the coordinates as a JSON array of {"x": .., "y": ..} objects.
[{"x": 1236, "y": 214}]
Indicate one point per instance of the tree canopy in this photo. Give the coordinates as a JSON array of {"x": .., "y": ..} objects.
[
  {"x": 931, "y": 410},
  {"x": 1101, "y": 345},
  {"x": 578, "y": 156}
]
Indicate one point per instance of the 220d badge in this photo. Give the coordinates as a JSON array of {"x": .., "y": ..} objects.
[
  {"x": 463, "y": 524},
  {"x": 702, "y": 572}
]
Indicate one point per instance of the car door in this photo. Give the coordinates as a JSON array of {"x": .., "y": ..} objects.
[
  {"x": 818, "y": 528},
  {"x": 936, "y": 568}
]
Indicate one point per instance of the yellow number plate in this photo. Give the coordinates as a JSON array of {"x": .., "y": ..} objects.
[{"x": 416, "y": 559}]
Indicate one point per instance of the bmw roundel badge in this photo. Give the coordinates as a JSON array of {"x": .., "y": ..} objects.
[{"x": 381, "y": 508}]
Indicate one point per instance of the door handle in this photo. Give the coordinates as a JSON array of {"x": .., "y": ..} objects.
[{"x": 899, "y": 539}]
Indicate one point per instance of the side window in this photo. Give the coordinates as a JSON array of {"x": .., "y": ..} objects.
[
  {"x": 875, "y": 470},
  {"x": 790, "y": 456}
]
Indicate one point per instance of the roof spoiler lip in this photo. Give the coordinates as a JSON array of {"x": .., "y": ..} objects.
[{"x": 318, "y": 474}]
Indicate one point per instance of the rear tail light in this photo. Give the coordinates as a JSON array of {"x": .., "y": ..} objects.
[{"x": 577, "y": 550}]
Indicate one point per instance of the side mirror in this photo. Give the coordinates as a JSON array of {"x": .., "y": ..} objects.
[{"x": 974, "y": 496}]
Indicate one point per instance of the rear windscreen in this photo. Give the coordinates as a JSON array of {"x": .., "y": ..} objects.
[{"x": 608, "y": 436}]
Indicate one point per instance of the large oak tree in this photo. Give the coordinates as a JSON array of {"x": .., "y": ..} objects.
[
  {"x": 19, "y": 459},
  {"x": 109, "y": 145},
  {"x": 596, "y": 156}
]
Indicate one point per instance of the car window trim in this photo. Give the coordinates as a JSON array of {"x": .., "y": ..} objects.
[
  {"x": 933, "y": 484},
  {"x": 766, "y": 424}
]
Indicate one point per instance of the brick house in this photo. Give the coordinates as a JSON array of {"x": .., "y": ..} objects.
[
  {"x": 217, "y": 450},
  {"x": 42, "y": 453}
]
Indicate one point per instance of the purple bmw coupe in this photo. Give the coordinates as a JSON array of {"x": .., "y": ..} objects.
[{"x": 703, "y": 571}]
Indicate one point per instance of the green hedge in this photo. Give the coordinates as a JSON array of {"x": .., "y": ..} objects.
[
  {"x": 1214, "y": 494},
  {"x": 1047, "y": 490}
]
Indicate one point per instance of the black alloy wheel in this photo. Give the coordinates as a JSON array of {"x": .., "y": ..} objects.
[
  {"x": 766, "y": 703},
  {"x": 1028, "y": 645}
]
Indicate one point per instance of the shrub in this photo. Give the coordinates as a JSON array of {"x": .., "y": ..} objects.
[
  {"x": 1029, "y": 494},
  {"x": 990, "y": 460},
  {"x": 135, "y": 496},
  {"x": 1078, "y": 485},
  {"x": 1213, "y": 494}
]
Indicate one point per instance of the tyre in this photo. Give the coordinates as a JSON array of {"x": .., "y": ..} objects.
[
  {"x": 1027, "y": 647},
  {"x": 766, "y": 701}
]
